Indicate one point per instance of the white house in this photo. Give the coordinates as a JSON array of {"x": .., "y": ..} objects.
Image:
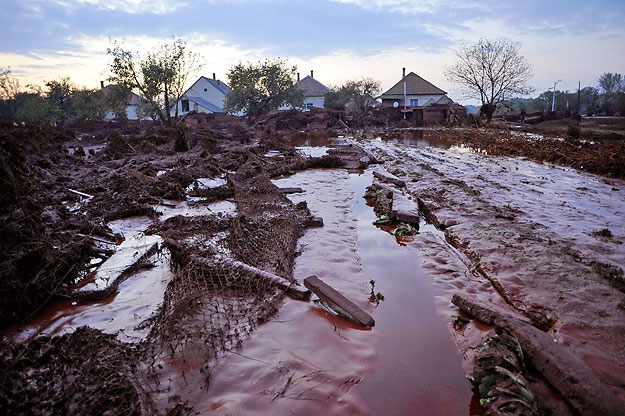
[
  {"x": 132, "y": 104},
  {"x": 314, "y": 92},
  {"x": 204, "y": 96},
  {"x": 418, "y": 92}
]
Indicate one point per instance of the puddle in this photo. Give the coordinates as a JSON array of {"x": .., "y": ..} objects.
[
  {"x": 309, "y": 361},
  {"x": 127, "y": 254},
  {"x": 128, "y": 227},
  {"x": 163, "y": 171},
  {"x": 318, "y": 151},
  {"x": 415, "y": 137},
  {"x": 138, "y": 298},
  {"x": 205, "y": 183},
  {"x": 536, "y": 227},
  {"x": 192, "y": 207}
]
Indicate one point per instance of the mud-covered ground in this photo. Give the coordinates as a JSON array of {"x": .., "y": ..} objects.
[
  {"x": 537, "y": 242},
  {"x": 549, "y": 239}
]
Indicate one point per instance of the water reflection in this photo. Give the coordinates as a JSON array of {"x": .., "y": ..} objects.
[{"x": 415, "y": 137}]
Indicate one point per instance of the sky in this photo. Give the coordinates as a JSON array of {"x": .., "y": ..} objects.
[{"x": 340, "y": 40}]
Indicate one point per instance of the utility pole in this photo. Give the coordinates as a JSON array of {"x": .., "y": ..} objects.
[
  {"x": 579, "y": 98},
  {"x": 553, "y": 102},
  {"x": 403, "y": 75}
]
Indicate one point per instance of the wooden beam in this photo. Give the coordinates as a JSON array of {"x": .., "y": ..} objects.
[
  {"x": 291, "y": 190},
  {"x": 338, "y": 302}
]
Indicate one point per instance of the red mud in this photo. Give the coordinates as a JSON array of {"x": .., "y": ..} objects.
[{"x": 518, "y": 235}]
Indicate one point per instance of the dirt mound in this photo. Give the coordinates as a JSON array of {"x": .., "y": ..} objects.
[
  {"x": 36, "y": 262},
  {"x": 603, "y": 158},
  {"x": 85, "y": 373},
  {"x": 295, "y": 120}
]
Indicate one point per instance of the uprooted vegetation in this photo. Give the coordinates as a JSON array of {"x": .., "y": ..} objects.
[{"x": 231, "y": 272}]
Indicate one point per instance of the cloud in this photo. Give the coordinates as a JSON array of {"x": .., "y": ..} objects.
[
  {"x": 126, "y": 6},
  {"x": 340, "y": 39}
]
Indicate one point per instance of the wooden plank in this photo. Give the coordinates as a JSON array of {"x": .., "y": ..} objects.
[
  {"x": 372, "y": 159},
  {"x": 84, "y": 195},
  {"x": 387, "y": 177},
  {"x": 292, "y": 289},
  {"x": 140, "y": 176},
  {"x": 313, "y": 222},
  {"x": 338, "y": 302},
  {"x": 291, "y": 190},
  {"x": 118, "y": 267}
]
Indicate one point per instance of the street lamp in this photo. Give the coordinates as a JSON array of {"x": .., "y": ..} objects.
[{"x": 553, "y": 102}]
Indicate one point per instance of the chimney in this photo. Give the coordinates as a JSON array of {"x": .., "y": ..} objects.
[
  {"x": 311, "y": 73},
  {"x": 298, "y": 77},
  {"x": 213, "y": 75},
  {"x": 101, "y": 85},
  {"x": 218, "y": 82},
  {"x": 403, "y": 72}
]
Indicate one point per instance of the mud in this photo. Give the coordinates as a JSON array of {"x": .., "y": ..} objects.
[
  {"x": 536, "y": 241},
  {"x": 529, "y": 230}
]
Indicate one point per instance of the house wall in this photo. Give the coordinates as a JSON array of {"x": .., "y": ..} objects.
[
  {"x": 212, "y": 95},
  {"x": 389, "y": 100},
  {"x": 131, "y": 114},
  {"x": 318, "y": 102}
]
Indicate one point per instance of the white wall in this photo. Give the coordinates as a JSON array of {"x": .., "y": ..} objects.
[
  {"x": 212, "y": 95},
  {"x": 422, "y": 98},
  {"x": 131, "y": 114},
  {"x": 318, "y": 102}
]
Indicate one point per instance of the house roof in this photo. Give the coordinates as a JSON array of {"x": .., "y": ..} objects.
[
  {"x": 208, "y": 105},
  {"x": 312, "y": 87},
  {"x": 444, "y": 100},
  {"x": 415, "y": 85},
  {"x": 221, "y": 86}
]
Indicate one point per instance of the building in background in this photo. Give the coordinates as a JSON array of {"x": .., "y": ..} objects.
[
  {"x": 204, "y": 96},
  {"x": 418, "y": 92}
]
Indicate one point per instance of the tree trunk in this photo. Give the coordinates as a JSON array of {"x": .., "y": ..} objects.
[
  {"x": 167, "y": 106},
  {"x": 488, "y": 110}
]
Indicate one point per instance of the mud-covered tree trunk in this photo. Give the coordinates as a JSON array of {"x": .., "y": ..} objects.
[{"x": 488, "y": 110}]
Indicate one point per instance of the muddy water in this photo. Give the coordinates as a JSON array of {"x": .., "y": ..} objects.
[
  {"x": 308, "y": 361},
  {"x": 534, "y": 227},
  {"x": 136, "y": 299}
]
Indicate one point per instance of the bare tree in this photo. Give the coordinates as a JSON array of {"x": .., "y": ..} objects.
[
  {"x": 489, "y": 70},
  {"x": 159, "y": 77}
]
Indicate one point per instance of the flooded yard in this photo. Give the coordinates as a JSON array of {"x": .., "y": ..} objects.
[
  {"x": 307, "y": 360},
  {"x": 198, "y": 290}
]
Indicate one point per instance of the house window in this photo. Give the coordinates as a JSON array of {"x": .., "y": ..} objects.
[
  {"x": 205, "y": 90},
  {"x": 414, "y": 102},
  {"x": 185, "y": 106}
]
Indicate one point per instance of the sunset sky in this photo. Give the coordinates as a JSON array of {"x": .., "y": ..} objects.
[{"x": 339, "y": 39}]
